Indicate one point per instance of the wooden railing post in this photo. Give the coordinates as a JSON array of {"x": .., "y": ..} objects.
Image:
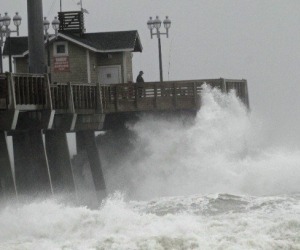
[
  {"x": 48, "y": 101},
  {"x": 116, "y": 98},
  {"x": 105, "y": 96},
  {"x": 246, "y": 96},
  {"x": 71, "y": 105},
  {"x": 224, "y": 87},
  {"x": 155, "y": 95},
  {"x": 174, "y": 95},
  {"x": 99, "y": 100},
  {"x": 11, "y": 91},
  {"x": 136, "y": 95},
  {"x": 195, "y": 94}
]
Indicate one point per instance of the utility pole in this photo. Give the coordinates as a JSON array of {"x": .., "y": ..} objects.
[{"x": 36, "y": 37}]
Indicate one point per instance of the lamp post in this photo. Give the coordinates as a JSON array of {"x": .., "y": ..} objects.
[
  {"x": 5, "y": 32},
  {"x": 55, "y": 26},
  {"x": 156, "y": 24}
]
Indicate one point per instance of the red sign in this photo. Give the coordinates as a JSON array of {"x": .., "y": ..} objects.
[{"x": 61, "y": 64}]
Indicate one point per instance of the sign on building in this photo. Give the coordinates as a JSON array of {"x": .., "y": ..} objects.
[{"x": 61, "y": 64}]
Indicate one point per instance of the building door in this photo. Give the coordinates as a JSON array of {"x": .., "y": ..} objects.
[{"x": 110, "y": 74}]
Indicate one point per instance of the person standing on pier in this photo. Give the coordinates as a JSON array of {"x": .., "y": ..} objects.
[{"x": 140, "y": 79}]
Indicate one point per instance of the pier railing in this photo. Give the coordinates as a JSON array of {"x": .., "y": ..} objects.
[
  {"x": 76, "y": 97},
  {"x": 35, "y": 92},
  {"x": 240, "y": 88},
  {"x": 173, "y": 95},
  {"x": 24, "y": 92}
]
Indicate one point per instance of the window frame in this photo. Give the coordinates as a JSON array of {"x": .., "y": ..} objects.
[{"x": 61, "y": 54}]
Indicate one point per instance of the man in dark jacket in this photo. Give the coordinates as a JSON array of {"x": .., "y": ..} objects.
[{"x": 140, "y": 77}]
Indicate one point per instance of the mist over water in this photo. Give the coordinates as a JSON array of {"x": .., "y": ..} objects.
[
  {"x": 213, "y": 182},
  {"x": 223, "y": 150}
]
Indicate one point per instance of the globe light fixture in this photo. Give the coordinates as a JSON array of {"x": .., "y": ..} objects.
[
  {"x": 17, "y": 21},
  {"x": 157, "y": 23},
  {"x": 46, "y": 25},
  {"x": 6, "y": 19}
]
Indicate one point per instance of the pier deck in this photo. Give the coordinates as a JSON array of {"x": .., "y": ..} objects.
[{"x": 79, "y": 103}]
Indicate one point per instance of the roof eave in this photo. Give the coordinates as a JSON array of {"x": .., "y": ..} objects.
[
  {"x": 82, "y": 45},
  {"x": 68, "y": 38},
  {"x": 137, "y": 39}
]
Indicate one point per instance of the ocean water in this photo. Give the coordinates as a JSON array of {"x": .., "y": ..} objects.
[{"x": 213, "y": 182}]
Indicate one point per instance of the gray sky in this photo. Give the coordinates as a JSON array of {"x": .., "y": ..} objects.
[{"x": 258, "y": 40}]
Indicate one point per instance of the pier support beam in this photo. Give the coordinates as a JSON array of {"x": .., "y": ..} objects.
[
  {"x": 7, "y": 186},
  {"x": 86, "y": 144},
  {"x": 62, "y": 177},
  {"x": 31, "y": 164}
]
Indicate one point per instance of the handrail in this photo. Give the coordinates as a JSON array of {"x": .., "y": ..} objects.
[
  {"x": 35, "y": 90},
  {"x": 28, "y": 90}
]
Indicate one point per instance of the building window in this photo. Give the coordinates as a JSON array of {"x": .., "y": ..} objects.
[{"x": 61, "y": 49}]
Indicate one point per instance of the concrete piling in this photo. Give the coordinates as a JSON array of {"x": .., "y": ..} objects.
[
  {"x": 60, "y": 167},
  {"x": 7, "y": 186},
  {"x": 86, "y": 144},
  {"x": 31, "y": 164}
]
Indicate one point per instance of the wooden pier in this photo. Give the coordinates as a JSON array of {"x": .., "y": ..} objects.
[
  {"x": 38, "y": 114},
  {"x": 21, "y": 93}
]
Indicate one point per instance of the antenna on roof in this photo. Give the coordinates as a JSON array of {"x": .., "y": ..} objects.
[
  {"x": 82, "y": 9},
  {"x": 60, "y": 6}
]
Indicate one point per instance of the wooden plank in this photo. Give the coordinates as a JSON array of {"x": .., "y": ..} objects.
[
  {"x": 70, "y": 95},
  {"x": 23, "y": 101},
  {"x": 47, "y": 99},
  {"x": 27, "y": 88},
  {"x": 99, "y": 99},
  {"x": 195, "y": 93},
  {"x": 18, "y": 94},
  {"x": 155, "y": 96},
  {"x": 174, "y": 95},
  {"x": 116, "y": 98},
  {"x": 12, "y": 92}
]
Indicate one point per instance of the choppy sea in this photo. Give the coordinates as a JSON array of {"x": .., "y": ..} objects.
[{"x": 213, "y": 182}]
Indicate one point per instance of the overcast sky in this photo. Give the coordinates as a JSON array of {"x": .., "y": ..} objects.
[{"x": 258, "y": 40}]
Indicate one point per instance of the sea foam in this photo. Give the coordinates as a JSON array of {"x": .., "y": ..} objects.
[{"x": 224, "y": 149}]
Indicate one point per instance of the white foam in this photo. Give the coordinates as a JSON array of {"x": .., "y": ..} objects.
[
  {"x": 224, "y": 150},
  {"x": 262, "y": 223}
]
